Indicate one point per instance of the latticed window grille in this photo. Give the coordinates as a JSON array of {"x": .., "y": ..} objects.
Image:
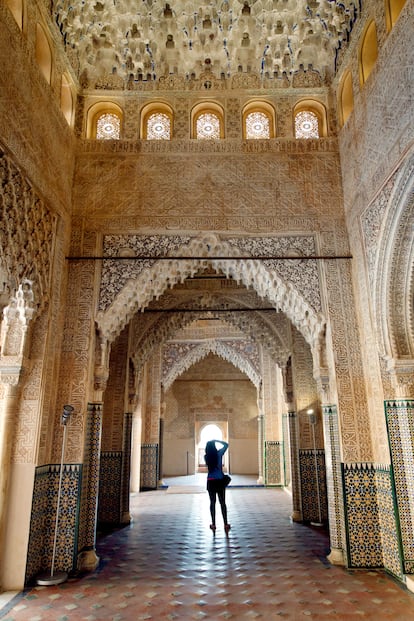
[
  {"x": 306, "y": 125},
  {"x": 208, "y": 126},
  {"x": 158, "y": 127},
  {"x": 108, "y": 127},
  {"x": 257, "y": 125}
]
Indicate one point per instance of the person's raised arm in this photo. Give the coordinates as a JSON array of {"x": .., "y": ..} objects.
[{"x": 225, "y": 446}]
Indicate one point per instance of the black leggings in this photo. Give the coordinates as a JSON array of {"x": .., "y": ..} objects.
[{"x": 217, "y": 488}]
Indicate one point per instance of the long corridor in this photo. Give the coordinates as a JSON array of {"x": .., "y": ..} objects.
[{"x": 169, "y": 565}]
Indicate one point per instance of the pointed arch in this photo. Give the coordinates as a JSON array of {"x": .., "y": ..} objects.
[
  {"x": 67, "y": 99},
  {"x": 393, "y": 9},
  {"x": 395, "y": 282},
  {"x": 158, "y": 332},
  {"x": 368, "y": 52},
  {"x": 345, "y": 98},
  {"x": 43, "y": 53},
  {"x": 150, "y": 284},
  {"x": 17, "y": 9},
  {"x": 200, "y": 351}
]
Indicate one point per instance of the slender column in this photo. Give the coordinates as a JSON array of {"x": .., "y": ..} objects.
[
  {"x": 8, "y": 418},
  {"x": 334, "y": 485},
  {"x": 88, "y": 559},
  {"x": 126, "y": 468},
  {"x": 260, "y": 438},
  {"x": 294, "y": 460},
  {"x": 136, "y": 453},
  {"x": 160, "y": 455},
  {"x": 161, "y": 442}
]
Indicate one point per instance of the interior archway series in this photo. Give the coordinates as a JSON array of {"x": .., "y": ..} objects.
[{"x": 156, "y": 282}]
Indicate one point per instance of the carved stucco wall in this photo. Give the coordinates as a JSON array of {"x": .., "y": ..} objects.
[
  {"x": 37, "y": 162},
  {"x": 114, "y": 407},
  {"x": 32, "y": 256},
  {"x": 32, "y": 126},
  {"x": 381, "y": 127},
  {"x": 375, "y": 144},
  {"x": 272, "y": 393},
  {"x": 232, "y": 185},
  {"x": 27, "y": 234}
]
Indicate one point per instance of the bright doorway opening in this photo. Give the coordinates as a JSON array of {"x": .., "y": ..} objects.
[{"x": 208, "y": 431}]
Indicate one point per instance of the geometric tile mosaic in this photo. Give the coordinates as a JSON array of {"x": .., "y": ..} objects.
[
  {"x": 286, "y": 450},
  {"x": 314, "y": 503},
  {"x": 334, "y": 478},
  {"x": 390, "y": 531},
  {"x": 149, "y": 466},
  {"x": 273, "y": 450},
  {"x": 110, "y": 477},
  {"x": 361, "y": 514},
  {"x": 400, "y": 424},
  {"x": 43, "y": 519},
  {"x": 90, "y": 477}
]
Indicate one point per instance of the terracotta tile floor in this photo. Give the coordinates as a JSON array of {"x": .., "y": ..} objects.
[{"x": 169, "y": 565}]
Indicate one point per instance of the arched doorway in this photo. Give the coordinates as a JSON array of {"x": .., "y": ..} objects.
[{"x": 206, "y": 431}]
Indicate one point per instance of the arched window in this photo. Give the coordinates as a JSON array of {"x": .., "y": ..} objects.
[
  {"x": 108, "y": 126},
  {"x": 66, "y": 100},
  {"x": 346, "y": 98},
  {"x": 156, "y": 122},
  {"x": 393, "y": 9},
  {"x": 158, "y": 127},
  {"x": 207, "y": 122},
  {"x": 104, "y": 121},
  {"x": 258, "y": 121},
  {"x": 16, "y": 7},
  {"x": 43, "y": 53},
  {"x": 309, "y": 116},
  {"x": 257, "y": 125},
  {"x": 306, "y": 125},
  {"x": 207, "y": 126},
  {"x": 368, "y": 52}
]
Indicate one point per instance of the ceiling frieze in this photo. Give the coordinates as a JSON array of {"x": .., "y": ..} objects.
[{"x": 124, "y": 45}]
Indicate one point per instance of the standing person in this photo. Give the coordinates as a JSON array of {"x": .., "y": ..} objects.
[{"x": 216, "y": 485}]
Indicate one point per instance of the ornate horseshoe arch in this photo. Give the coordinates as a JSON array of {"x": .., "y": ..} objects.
[
  {"x": 156, "y": 333},
  {"x": 155, "y": 277},
  {"x": 198, "y": 352}
]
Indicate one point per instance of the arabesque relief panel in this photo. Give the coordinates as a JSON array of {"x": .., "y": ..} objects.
[{"x": 237, "y": 184}]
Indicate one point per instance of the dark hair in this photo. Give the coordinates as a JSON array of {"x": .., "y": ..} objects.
[{"x": 211, "y": 455}]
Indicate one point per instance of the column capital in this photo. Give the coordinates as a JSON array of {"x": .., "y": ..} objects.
[
  {"x": 10, "y": 373},
  {"x": 402, "y": 376},
  {"x": 322, "y": 379}
]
